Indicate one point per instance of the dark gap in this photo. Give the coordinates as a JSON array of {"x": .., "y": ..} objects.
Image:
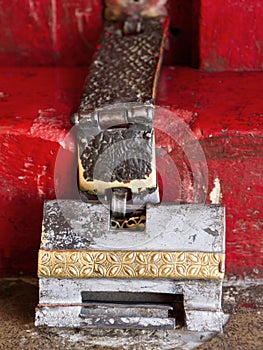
[
  {"x": 125, "y": 216},
  {"x": 134, "y": 221},
  {"x": 130, "y": 299},
  {"x": 196, "y": 13},
  {"x": 183, "y": 33}
]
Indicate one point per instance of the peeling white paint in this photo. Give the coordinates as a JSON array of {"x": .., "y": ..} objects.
[
  {"x": 41, "y": 180},
  {"x": 216, "y": 195},
  {"x": 83, "y": 16},
  {"x": 50, "y": 126},
  {"x": 33, "y": 12}
]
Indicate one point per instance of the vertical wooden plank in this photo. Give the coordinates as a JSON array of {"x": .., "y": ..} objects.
[
  {"x": 78, "y": 26},
  {"x": 47, "y": 32}
]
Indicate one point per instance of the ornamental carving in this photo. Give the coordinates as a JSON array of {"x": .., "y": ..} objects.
[{"x": 130, "y": 264}]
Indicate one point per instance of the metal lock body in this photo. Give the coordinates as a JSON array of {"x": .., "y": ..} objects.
[
  {"x": 116, "y": 258},
  {"x": 93, "y": 276}
]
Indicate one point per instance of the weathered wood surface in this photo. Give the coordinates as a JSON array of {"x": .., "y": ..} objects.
[
  {"x": 43, "y": 32},
  {"x": 36, "y": 104}
]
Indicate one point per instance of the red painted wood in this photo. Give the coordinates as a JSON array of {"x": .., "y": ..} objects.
[
  {"x": 231, "y": 35},
  {"x": 229, "y": 128},
  {"x": 35, "y": 106},
  {"x": 47, "y": 32},
  {"x": 221, "y": 34},
  {"x": 227, "y": 103}
]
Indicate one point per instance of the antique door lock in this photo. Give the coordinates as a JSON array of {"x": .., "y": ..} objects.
[{"x": 118, "y": 258}]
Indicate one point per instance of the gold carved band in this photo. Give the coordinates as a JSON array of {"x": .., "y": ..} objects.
[{"x": 129, "y": 264}]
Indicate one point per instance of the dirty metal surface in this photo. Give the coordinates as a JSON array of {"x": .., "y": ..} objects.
[
  {"x": 125, "y": 156},
  {"x": 61, "y": 300},
  {"x": 122, "y": 310},
  {"x": 129, "y": 169},
  {"x": 72, "y": 317},
  {"x": 243, "y": 302},
  {"x": 194, "y": 227},
  {"x": 197, "y": 294},
  {"x": 129, "y": 259}
]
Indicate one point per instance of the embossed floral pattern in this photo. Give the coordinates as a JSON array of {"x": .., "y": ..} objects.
[{"x": 130, "y": 264}]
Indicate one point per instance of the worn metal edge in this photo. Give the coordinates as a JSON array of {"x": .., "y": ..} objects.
[{"x": 158, "y": 67}]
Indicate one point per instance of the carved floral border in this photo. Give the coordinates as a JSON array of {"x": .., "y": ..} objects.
[{"x": 130, "y": 264}]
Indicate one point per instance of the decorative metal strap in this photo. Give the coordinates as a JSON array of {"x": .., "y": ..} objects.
[{"x": 130, "y": 264}]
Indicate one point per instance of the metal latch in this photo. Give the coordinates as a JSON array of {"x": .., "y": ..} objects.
[{"x": 115, "y": 118}]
